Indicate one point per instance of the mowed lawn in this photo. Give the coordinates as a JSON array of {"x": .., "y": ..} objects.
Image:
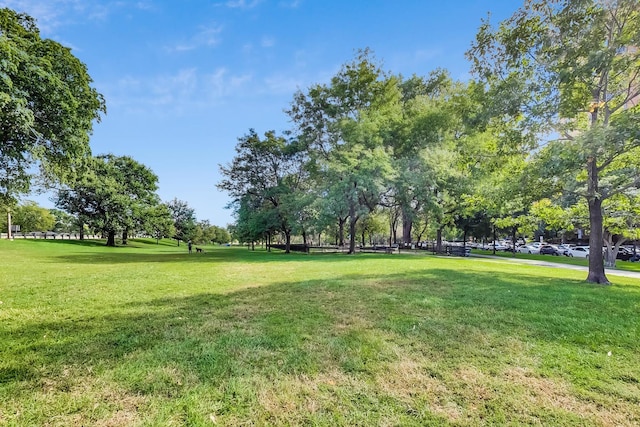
[{"x": 150, "y": 335}]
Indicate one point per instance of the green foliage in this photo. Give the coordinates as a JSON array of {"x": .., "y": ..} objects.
[
  {"x": 184, "y": 220},
  {"x": 64, "y": 222},
  {"x": 267, "y": 182},
  {"x": 114, "y": 195},
  {"x": 573, "y": 68},
  {"x": 205, "y": 233},
  {"x": 158, "y": 222},
  {"x": 31, "y": 217},
  {"x": 47, "y": 106},
  {"x": 346, "y": 126}
]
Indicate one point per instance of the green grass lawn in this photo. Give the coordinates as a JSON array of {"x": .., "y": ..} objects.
[{"x": 150, "y": 335}]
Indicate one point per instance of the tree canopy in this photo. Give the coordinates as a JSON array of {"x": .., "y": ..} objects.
[
  {"x": 571, "y": 68},
  {"x": 47, "y": 106},
  {"x": 117, "y": 194}
]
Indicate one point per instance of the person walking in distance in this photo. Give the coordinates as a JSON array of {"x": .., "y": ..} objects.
[{"x": 189, "y": 245}]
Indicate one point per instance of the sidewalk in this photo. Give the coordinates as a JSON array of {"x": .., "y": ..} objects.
[{"x": 608, "y": 271}]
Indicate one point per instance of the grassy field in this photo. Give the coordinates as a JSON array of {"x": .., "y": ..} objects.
[{"x": 150, "y": 335}]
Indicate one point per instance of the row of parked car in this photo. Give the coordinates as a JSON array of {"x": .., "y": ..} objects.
[{"x": 624, "y": 254}]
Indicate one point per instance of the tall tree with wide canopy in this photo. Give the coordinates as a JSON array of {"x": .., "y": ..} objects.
[
  {"x": 157, "y": 222},
  {"x": 184, "y": 219},
  {"x": 271, "y": 172},
  {"x": 114, "y": 195},
  {"x": 572, "y": 68},
  {"x": 47, "y": 106},
  {"x": 31, "y": 217},
  {"x": 425, "y": 120},
  {"x": 345, "y": 125}
]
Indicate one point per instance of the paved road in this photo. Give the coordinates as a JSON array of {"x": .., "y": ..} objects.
[{"x": 608, "y": 271}]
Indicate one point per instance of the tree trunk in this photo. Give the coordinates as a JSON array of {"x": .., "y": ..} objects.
[
  {"x": 596, "y": 263},
  {"x": 287, "y": 246},
  {"x": 407, "y": 226},
  {"x": 111, "y": 238},
  {"x": 611, "y": 249},
  {"x": 464, "y": 240},
  {"x": 394, "y": 217},
  {"x": 341, "y": 222},
  {"x": 125, "y": 236},
  {"x": 353, "y": 219},
  {"x": 363, "y": 241},
  {"x": 423, "y": 230},
  {"x": 439, "y": 240},
  {"x": 81, "y": 231},
  {"x": 494, "y": 239}
]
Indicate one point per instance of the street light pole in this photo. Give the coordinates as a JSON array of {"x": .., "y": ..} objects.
[{"x": 9, "y": 236}]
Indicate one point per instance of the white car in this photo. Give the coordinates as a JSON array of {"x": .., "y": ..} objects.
[
  {"x": 530, "y": 248},
  {"x": 564, "y": 248},
  {"x": 579, "y": 252},
  {"x": 498, "y": 246}
]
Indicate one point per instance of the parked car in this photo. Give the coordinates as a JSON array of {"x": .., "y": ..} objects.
[
  {"x": 579, "y": 252},
  {"x": 549, "y": 250},
  {"x": 498, "y": 246},
  {"x": 624, "y": 254},
  {"x": 564, "y": 248},
  {"x": 530, "y": 248}
]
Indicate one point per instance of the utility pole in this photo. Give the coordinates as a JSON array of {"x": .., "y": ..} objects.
[{"x": 9, "y": 236}]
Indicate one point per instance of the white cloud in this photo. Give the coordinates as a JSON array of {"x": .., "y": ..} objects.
[
  {"x": 47, "y": 13},
  {"x": 280, "y": 84},
  {"x": 177, "y": 93},
  {"x": 242, "y": 4},
  {"x": 292, "y": 4},
  {"x": 206, "y": 36},
  {"x": 144, "y": 5},
  {"x": 52, "y": 14},
  {"x": 267, "y": 42}
]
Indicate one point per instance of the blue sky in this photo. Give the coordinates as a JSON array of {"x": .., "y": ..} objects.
[{"x": 184, "y": 79}]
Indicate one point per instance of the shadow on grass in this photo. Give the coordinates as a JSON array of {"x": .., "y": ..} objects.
[
  {"x": 218, "y": 254},
  {"x": 353, "y": 324},
  {"x": 91, "y": 243}
]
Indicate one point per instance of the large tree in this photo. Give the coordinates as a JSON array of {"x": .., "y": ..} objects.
[
  {"x": 572, "y": 69},
  {"x": 31, "y": 217},
  {"x": 425, "y": 120},
  {"x": 47, "y": 106},
  {"x": 184, "y": 219},
  {"x": 115, "y": 195},
  {"x": 270, "y": 172},
  {"x": 158, "y": 222},
  {"x": 345, "y": 125}
]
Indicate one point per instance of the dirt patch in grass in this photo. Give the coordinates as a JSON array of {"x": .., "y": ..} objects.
[
  {"x": 295, "y": 400},
  {"x": 555, "y": 394},
  {"x": 412, "y": 382}
]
